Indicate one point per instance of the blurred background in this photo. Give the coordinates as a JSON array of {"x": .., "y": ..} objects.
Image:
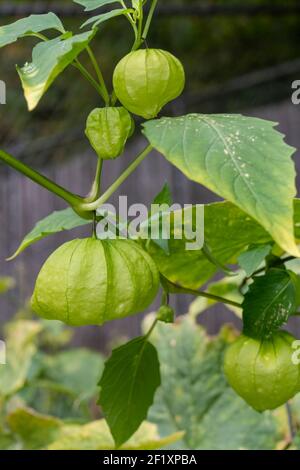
[{"x": 239, "y": 56}]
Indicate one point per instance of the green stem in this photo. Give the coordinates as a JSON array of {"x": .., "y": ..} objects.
[
  {"x": 151, "y": 329},
  {"x": 113, "y": 98},
  {"x": 176, "y": 289},
  {"x": 37, "y": 35},
  {"x": 89, "y": 77},
  {"x": 149, "y": 19},
  {"x": 207, "y": 253},
  {"x": 99, "y": 75},
  {"x": 141, "y": 19},
  {"x": 290, "y": 420},
  {"x": 94, "y": 230},
  {"x": 92, "y": 206},
  {"x": 95, "y": 190},
  {"x": 129, "y": 17},
  {"x": 46, "y": 183}
]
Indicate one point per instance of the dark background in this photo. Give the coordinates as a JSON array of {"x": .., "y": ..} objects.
[{"x": 239, "y": 56}]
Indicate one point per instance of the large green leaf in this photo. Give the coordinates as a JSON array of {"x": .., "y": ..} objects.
[
  {"x": 56, "y": 222},
  {"x": 194, "y": 396},
  {"x": 96, "y": 20},
  {"x": 243, "y": 159},
  {"x": 94, "y": 4},
  {"x": 130, "y": 379},
  {"x": 270, "y": 301},
  {"x": 228, "y": 231},
  {"x": 49, "y": 59},
  {"x": 33, "y": 24},
  {"x": 39, "y": 431},
  {"x": 96, "y": 436}
]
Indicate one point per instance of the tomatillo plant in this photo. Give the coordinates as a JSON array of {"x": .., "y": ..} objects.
[{"x": 241, "y": 159}]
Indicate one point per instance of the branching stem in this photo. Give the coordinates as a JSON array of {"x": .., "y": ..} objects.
[
  {"x": 38, "y": 178},
  {"x": 92, "y": 206}
]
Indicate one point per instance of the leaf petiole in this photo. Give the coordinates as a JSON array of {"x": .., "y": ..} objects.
[
  {"x": 95, "y": 190},
  {"x": 149, "y": 19},
  {"x": 102, "y": 84},
  {"x": 176, "y": 289},
  {"x": 88, "y": 77},
  {"x": 38, "y": 178},
  {"x": 92, "y": 206}
]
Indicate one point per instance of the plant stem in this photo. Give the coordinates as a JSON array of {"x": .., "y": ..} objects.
[
  {"x": 89, "y": 77},
  {"x": 290, "y": 421},
  {"x": 176, "y": 289},
  {"x": 99, "y": 75},
  {"x": 94, "y": 230},
  {"x": 92, "y": 206},
  {"x": 151, "y": 329},
  {"x": 141, "y": 19},
  {"x": 207, "y": 253},
  {"x": 129, "y": 17},
  {"x": 35, "y": 176},
  {"x": 96, "y": 187},
  {"x": 37, "y": 35},
  {"x": 149, "y": 19}
]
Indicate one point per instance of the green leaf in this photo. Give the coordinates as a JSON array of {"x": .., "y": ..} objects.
[
  {"x": 130, "y": 379},
  {"x": 49, "y": 59},
  {"x": 33, "y": 24},
  {"x": 96, "y": 20},
  {"x": 94, "y": 4},
  {"x": 270, "y": 301},
  {"x": 164, "y": 196},
  {"x": 251, "y": 259},
  {"x": 56, "y": 222},
  {"x": 34, "y": 429},
  {"x": 69, "y": 369},
  {"x": 194, "y": 396},
  {"x": 40, "y": 431},
  {"x": 242, "y": 159},
  {"x": 228, "y": 231},
  {"x": 96, "y": 436}
]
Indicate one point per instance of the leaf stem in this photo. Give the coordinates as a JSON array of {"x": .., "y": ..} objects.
[
  {"x": 290, "y": 420},
  {"x": 96, "y": 187},
  {"x": 263, "y": 269},
  {"x": 209, "y": 256},
  {"x": 131, "y": 21},
  {"x": 99, "y": 75},
  {"x": 176, "y": 289},
  {"x": 92, "y": 206},
  {"x": 37, "y": 35},
  {"x": 35, "y": 176},
  {"x": 89, "y": 77},
  {"x": 149, "y": 19},
  {"x": 151, "y": 329}
]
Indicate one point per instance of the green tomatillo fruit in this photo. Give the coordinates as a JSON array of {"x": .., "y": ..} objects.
[
  {"x": 147, "y": 79},
  {"x": 262, "y": 372},
  {"x": 90, "y": 281},
  {"x": 108, "y": 130}
]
